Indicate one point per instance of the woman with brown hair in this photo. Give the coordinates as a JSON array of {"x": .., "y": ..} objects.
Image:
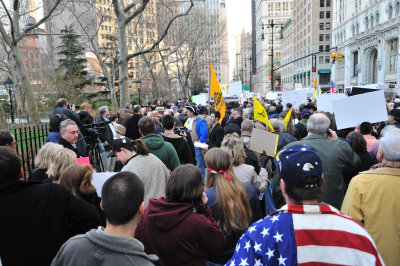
[
  {"x": 234, "y": 204},
  {"x": 180, "y": 228},
  {"x": 77, "y": 178},
  {"x": 135, "y": 157}
]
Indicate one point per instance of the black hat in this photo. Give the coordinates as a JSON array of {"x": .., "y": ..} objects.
[
  {"x": 118, "y": 144},
  {"x": 310, "y": 106},
  {"x": 191, "y": 109}
]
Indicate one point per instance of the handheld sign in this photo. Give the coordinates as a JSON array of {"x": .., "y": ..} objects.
[{"x": 262, "y": 140}]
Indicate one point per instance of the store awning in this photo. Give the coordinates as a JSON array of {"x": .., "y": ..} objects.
[
  {"x": 308, "y": 72},
  {"x": 324, "y": 71}
]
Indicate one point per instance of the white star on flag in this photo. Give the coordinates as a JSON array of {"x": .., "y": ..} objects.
[
  {"x": 257, "y": 247},
  {"x": 247, "y": 246},
  {"x": 282, "y": 260},
  {"x": 270, "y": 253},
  {"x": 258, "y": 263},
  {"x": 265, "y": 232},
  {"x": 237, "y": 247},
  {"x": 232, "y": 263},
  {"x": 278, "y": 237},
  {"x": 252, "y": 229},
  {"x": 243, "y": 262},
  {"x": 274, "y": 218}
]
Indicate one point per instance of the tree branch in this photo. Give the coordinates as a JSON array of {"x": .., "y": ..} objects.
[
  {"x": 137, "y": 12},
  {"x": 162, "y": 36}
]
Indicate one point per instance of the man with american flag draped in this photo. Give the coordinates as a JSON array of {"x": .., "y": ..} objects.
[{"x": 305, "y": 231}]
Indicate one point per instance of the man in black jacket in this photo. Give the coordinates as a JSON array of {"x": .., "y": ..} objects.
[
  {"x": 132, "y": 128},
  {"x": 69, "y": 136},
  {"x": 217, "y": 132},
  {"x": 107, "y": 136},
  {"x": 179, "y": 142},
  {"x": 36, "y": 218}
]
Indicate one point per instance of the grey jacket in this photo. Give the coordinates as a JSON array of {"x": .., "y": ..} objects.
[{"x": 99, "y": 248}]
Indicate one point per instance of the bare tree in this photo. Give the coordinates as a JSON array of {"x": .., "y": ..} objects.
[
  {"x": 125, "y": 14},
  {"x": 12, "y": 38}
]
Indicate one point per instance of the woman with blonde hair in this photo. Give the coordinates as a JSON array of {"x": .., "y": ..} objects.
[
  {"x": 84, "y": 114},
  {"x": 234, "y": 146},
  {"x": 61, "y": 160},
  {"x": 77, "y": 178},
  {"x": 233, "y": 204},
  {"x": 42, "y": 161}
]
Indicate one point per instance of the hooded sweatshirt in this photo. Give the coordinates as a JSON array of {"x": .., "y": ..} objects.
[
  {"x": 163, "y": 150},
  {"x": 181, "y": 147},
  {"x": 179, "y": 235},
  {"x": 99, "y": 248}
]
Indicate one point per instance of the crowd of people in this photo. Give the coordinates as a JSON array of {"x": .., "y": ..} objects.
[{"x": 188, "y": 190}]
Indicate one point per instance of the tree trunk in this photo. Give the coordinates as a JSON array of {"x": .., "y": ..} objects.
[
  {"x": 123, "y": 64},
  {"x": 3, "y": 120},
  {"x": 30, "y": 95}
]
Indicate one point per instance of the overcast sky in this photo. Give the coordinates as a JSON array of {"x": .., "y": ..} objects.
[{"x": 239, "y": 18}]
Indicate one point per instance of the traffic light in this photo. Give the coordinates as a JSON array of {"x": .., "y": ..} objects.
[
  {"x": 339, "y": 57},
  {"x": 334, "y": 54}
]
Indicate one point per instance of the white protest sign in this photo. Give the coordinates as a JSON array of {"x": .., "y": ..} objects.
[
  {"x": 99, "y": 179},
  {"x": 235, "y": 88},
  {"x": 271, "y": 95},
  {"x": 324, "y": 101},
  {"x": 298, "y": 86},
  {"x": 367, "y": 107},
  {"x": 200, "y": 99},
  {"x": 295, "y": 97}
]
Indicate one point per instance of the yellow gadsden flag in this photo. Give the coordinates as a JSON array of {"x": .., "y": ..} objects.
[
  {"x": 317, "y": 92},
  {"x": 260, "y": 114},
  {"x": 215, "y": 91},
  {"x": 287, "y": 118}
]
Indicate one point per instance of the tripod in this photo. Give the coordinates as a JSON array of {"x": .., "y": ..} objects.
[{"x": 93, "y": 151}]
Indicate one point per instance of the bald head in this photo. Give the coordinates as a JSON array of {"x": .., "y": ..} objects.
[{"x": 318, "y": 123}]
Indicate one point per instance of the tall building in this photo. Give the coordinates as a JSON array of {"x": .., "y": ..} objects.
[
  {"x": 311, "y": 35},
  {"x": 243, "y": 50},
  {"x": 268, "y": 11},
  {"x": 286, "y": 70},
  {"x": 366, "y": 33}
]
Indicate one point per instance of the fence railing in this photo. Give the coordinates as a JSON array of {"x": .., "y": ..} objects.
[{"x": 29, "y": 140}]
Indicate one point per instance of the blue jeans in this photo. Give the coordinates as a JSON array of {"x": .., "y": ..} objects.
[{"x": 200, "y": 161}]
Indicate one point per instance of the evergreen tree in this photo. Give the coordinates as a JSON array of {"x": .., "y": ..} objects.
[{"x": 72, "y": 63}]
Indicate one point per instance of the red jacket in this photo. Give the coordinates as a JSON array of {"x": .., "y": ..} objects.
[{"x": 178, "y": 235}]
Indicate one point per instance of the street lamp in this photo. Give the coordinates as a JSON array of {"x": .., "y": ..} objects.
[
  {"x": 272, "y": 24},
  {"x": 9, "y": 84},
  {"x": 139, "y": 87}
]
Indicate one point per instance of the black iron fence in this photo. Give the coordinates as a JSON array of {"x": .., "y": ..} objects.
[{"x": 29, "y": 140}]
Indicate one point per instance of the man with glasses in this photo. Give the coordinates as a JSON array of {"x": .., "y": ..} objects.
[{"x": 69, "y": 135}]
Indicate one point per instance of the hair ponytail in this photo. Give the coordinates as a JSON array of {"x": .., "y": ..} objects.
[{"x": 139, "y": 146}]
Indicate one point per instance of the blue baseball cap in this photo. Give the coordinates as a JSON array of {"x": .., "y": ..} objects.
[{"x": 296, "y": 163}]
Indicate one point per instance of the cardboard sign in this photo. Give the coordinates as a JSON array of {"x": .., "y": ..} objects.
[
  {"x": 83, "y": 160},
  {"x": 324, "y": 101},
  {"x": 262, "y": 140},
  {"x": 99, "y": 179},
  {"x": 200, "y": 99},
  {"x": 367, "y": 107}
]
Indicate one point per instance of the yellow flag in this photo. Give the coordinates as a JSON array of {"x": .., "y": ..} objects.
[
  {"x": 317, "y": 92},
  {"x": 287, "y": 118},
  {"x": 260, "y": 114},
  {"x": 215, "y": 91}
]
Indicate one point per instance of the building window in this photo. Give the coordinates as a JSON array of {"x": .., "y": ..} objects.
[
  {"x": 393, "y": 55},
  {"x": 321, "y": 37},
  {"x": 397, "y": 10},
  {"x": 366, "y": 23},
  {"x": 355, "y": 65},
  {"x": 321, "y": 26},
  {"x": 327, "y": 48},
  {"x": 328, "y": 3},
  {"x": 328, "y": 26},
  {"x": 327, "y": 37},
  {"x": 377, "y": 19},
  {"x": 372, "y": 21},
  {"x": 321, "y": 14},
  {"x": 321, "y": 3},
  {"x": 328, "y": 14},
  {"x": 352, "y": 30},
  {"x": 321, "y": 48},
  {"x": 327, "y": 59},
  {"x": 390, "y": 12}
]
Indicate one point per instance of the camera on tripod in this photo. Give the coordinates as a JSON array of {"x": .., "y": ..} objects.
[
  {"x": 69, "y": 106},
  {"x": 92, "y": 131}
]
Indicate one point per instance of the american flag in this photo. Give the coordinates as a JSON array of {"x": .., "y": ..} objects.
[
  {"x": 333, "y": 87},
  {"x": 306, "y": 235}
]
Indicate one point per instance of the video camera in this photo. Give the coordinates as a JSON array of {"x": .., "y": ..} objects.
[
  {"x": 92, "y": 131},
  {"x": 69, "y": 106},
  {"x": 180, "y": 131}
]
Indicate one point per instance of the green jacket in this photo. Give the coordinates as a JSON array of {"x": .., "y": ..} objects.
[
  {"x": 162, "y": 149},
  {"x": 336, "y": 155}
]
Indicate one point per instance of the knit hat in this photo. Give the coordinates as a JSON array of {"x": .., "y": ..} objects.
[{"x": 298, "y": 162}]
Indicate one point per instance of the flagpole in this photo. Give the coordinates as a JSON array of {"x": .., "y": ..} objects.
[{"x": 209, "y": 91}]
